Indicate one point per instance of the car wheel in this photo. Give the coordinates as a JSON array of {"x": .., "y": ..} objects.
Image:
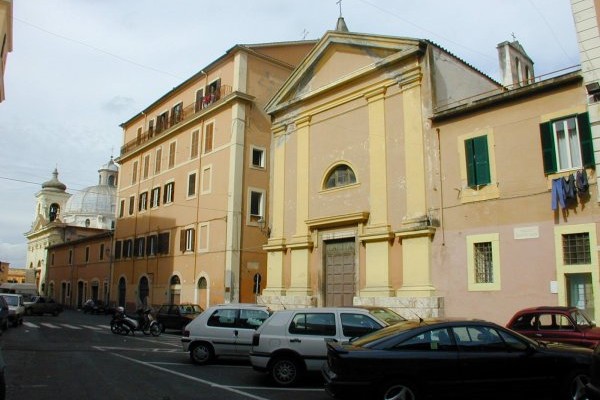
[
  {"x": 201, "y": 353},
  {"x": 575, "y": 385},
  {"x": 399, "y": 390},
  {"x": 285, "y": 371}
]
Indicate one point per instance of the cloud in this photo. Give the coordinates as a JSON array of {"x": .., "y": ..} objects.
[
  {"x": 118, "y": 104},
  {"x": 13, "y": 253}
]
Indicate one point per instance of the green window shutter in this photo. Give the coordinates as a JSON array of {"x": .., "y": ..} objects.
[
  {"x": 482, "y": 161},
  {"x": 548, "y": 153},
  {"x": 470, "y": 156},
  {"x": 585, "y": 137}
]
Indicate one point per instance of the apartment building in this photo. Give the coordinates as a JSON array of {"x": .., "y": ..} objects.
[{"x": 191, "y": 218}]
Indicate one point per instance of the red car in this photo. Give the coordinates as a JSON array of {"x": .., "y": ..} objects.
[{"x": 556, "y": 324}]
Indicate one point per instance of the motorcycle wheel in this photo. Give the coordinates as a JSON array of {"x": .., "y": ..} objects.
[
  {"x": 156, "y": 329},
  {"x": 146, "y": 330},
  {"x": 114, "y": 328}
]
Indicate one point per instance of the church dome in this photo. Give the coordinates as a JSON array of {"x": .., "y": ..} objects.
[
  {"x": 54, "y": 183},
  {"x": 93, "y": 200}
]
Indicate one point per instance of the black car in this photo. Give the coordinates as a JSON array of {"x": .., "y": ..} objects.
[
  {"x": 436, "y": 359},
  {"x": 177, "y": 316},
  {"x": 592, "y": 389}
]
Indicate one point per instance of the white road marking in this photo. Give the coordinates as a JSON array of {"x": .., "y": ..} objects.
[
  {"x": 30, "y": 325},
  {"x": 71, "y": 326},
  {"x": 95, "y": 328},
  {"x": 204, "y": 381},
  {"x": 49, "y": 325}
]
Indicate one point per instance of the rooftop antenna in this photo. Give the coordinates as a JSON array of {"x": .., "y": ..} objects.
[
  {"x": 512, "y": 34},
  {"x": 304, "y": 34},
  {"x": 339, "y": 2}
]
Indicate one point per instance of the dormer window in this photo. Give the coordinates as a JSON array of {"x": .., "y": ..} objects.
[{"x": 340, "y": 175}]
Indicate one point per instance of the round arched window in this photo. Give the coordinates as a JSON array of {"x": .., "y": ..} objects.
[{"x": 341, "y": 175}]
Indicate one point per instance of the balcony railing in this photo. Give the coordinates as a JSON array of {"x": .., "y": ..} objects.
[{"x": 176, "y": 117}]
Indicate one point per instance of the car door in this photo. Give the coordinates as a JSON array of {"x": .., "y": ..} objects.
[
  {"x": 221, "y": 330},
  {"x": 307, "y": 333},
  {"x": 247, "y": 322},
  {"x": 496, "y": 362}
]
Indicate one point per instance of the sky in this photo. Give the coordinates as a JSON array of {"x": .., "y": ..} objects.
[{"x": 80, "y": 68}]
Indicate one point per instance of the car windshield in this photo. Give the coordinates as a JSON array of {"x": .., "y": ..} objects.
[
  {"x": 190, "y": 309},
  {"x": 581, "y": 318},
  {"x": 386, "y": 315}
]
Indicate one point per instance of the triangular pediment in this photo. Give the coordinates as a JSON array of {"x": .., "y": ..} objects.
[{"x": 340, "y": 57}]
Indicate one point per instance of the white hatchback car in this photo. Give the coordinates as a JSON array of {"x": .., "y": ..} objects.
[
  {"x": 292, "y": 342},
  {"x": 16, "y": 308},
  {"x": 224, "y": 330}
]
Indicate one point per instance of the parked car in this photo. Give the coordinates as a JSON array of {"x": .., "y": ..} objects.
[
  {"x": 16, "y": 308},
  {"x": 292, "y": 342},
  {"x": 556, "y": 324},
  {"x": 4, "y": 312},
  {"x": 42, "y": 305},
  {"x": 454, "y": 358},
  {"x": 592, "y": 389},
  {"x": 177, "y": 316},
  {"x": 223, "y": 331},
  {"x": 2, "y": 378}
]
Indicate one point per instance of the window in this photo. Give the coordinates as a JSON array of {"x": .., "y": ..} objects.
[
  {"x": 342, "y": 175},
  {"x": 172, "y": 147},
  {"x": 140, "y": 246},
  {"x": 157, "y": 161},
  {"x": 206, "y": 179},
  {"x": 118, "y": 248},
  {"x": 354, "y": 325},
  {"x": 151, "y": 128},
  {"x": 131, "y": 204},
  {"x": 567, "y": 143},
  {"x": 162, "y": 122},
  {"x": 256, "y": 206},
  {"x": 52, "y": 259},
  {"x": 122, "y": 208},
  {"x": 187, "y": 239},
  {"x": 146, "y": 166},
  {"x": 87, "y": 254},
  {"x": 258, "y": 157},
  {"x": 320, "y": 324},
  {"x": 191, "y": 184},
  {"x": 208, "y": 137},
  {"x": 199, "y": 99},
  {"x": 128, "y": 248},
  {"x": 155, "y": 197},
  {"x": 143, "y": 203},
  {"x": 434, "y": 340},
  {"x": 479, "y": 339},
  {"x": 252, "y": 319},
  {"x": 195, "y": 143},
  {"x": 483, "y": 262},
  {"x": 203, "y": 237},
  {"x": 134, "y": 170},
  {"x": 478, "y": 163},
  {"x": 224, "y": 317},
  {"x": 151, "y": 245},
  {"x": 176, "y": 114},
  {"x": 70, "y": 256},
  {"x": 101, "y": 254},
  {"x": 169, "y": 192},
  {"x": 163, "y": 243},
  {"x": 576, "y": 248}
]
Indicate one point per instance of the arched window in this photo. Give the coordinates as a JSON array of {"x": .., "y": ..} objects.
[
  {"x": 122, "y": 291},
  {"x": 175, "y": 290},
  {"x": 341, "y": 175},
  {"x": 53, "y": 212},
  {"x": 144, "y": 290},
  {"x": 202, "y": 283}
]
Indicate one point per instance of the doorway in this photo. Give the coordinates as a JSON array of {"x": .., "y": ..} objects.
[
  {"x": 340, "y": 272},
  {"x": 580, "y": 293}
]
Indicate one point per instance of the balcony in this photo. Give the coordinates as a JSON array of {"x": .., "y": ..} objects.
[{"x": 165, "y": 122}]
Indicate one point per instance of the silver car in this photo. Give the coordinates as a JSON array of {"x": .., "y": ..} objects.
[{"x": 223, "y": 331}]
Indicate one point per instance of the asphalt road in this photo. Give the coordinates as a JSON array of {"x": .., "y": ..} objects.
[{"x": 75, "y": 356}]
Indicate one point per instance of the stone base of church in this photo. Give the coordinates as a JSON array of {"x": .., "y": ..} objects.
[
  {"x": 408, "y": 307},
  {"x": 285, "y": 302}
]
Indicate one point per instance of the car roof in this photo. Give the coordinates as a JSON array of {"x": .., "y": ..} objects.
[{"x": 548, "y": 308}]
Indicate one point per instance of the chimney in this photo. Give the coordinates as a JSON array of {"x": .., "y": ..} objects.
[{"x": 516, "y": 68}]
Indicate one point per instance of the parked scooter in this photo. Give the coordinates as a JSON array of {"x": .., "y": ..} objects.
[{"x": 144, "y": 321}]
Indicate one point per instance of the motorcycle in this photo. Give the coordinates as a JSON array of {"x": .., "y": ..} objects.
[{"x": 144, "y": 321}]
